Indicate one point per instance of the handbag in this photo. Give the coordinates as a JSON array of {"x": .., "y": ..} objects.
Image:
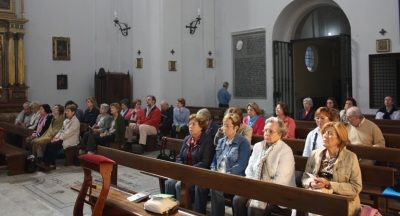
[
  {"x": 367, "y": 210},
  {"x": 163, "y": 156},
  {"x": 161, "y": 205}
]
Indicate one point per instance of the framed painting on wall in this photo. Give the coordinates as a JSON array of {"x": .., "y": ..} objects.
[
  {"x": 62, "y": 81},
  {"x": 383, "y": 45},
  {"x": 61, "y": 48},
  {"x": 172, "y": 65},
  {"x": 7, "y": 6}
]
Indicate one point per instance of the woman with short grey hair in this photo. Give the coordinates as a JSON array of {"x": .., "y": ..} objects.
[{"x": 307, "y": 113}]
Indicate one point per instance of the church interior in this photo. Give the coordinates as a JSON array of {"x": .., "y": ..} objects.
[{"x": 290, "y": 62}]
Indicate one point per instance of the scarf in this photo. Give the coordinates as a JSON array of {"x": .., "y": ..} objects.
[
  {"x": 192, "y": 144},
  {"x": 252, "y": 120}
]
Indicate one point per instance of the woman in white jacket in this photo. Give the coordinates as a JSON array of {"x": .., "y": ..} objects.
[
  {"x": 66, "y": 137},
  {"x": 272, "y": 161}
]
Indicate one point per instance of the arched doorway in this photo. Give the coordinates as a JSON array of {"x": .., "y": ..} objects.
[{"x": 314, "y": 59}]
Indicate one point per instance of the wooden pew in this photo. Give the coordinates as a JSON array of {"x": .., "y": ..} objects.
[
  {"x": 295, "y": 198},
  {"x": 392, "y": 140},
  {"x": 217, "y": 113},
  {"x": 17, "y": 130}
]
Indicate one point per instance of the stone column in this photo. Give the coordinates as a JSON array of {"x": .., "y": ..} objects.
[
  {"x": 21, "y": 62},
  {"x": 11, "y": 59}
]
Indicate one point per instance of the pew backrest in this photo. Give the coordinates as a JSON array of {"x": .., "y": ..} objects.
[{"x": 296, "y": 198}]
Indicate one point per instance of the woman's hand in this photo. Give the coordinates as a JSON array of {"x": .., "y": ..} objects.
[{"x": 319, "y": 183}]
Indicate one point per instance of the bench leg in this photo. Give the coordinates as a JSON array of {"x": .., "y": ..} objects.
[{"x": 16, "y": 164}]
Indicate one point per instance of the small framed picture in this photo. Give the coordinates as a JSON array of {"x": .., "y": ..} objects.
[
  {"x": 383, "y": 45},
  {"x": 139, "y": 62},
  {"x": 61, "y": 48},
  {"x": 172, "y": 65},
  {"x": 210, "y": 63},
  {"x": 62, "y": 82}
]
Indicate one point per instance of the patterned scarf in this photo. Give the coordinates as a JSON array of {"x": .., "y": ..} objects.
[{"x": 192, "y": 145}]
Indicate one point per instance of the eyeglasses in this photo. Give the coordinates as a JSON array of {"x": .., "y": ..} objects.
[
  {"x": 227, "y": 126},
  {"x": 320, "y": 118},
  {"x": 269, "y": 131}
]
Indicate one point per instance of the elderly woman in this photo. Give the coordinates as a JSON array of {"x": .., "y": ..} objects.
[
  {"x": 103, "y": 123},
  {"x": 334, "y": 169},
  {"x": 68, "y": 136},
  {"x": 39, "y": 143},
  {"x": 35, "y": 107},
  {"x": 307, "y": 113},
  {"x": 180, "y": 119},
  {"x": 243, "y": 130},
  {"x": 197, "y": 150},
  {"x": 350, "y": 102},
  {"x": 231, "y": 156},
  {"x": 115, "y": 133},
  {"x": 44, "y": 122},
  {"x": 271, "y": 161},
  {"x": 282, "y": 112},
  {"x": 323, "y": 115},
  {"x": 91, "y": 112},
  {"x": 212, "y": 127},
  {"x": 254, "y": 119}
]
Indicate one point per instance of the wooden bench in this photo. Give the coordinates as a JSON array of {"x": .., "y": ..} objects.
[
  {"x": 71, "y": 155},
  {"x": 17, "y": 130},
  {"x": 217, "y": 113},
  {"x": 295, "y": 198},
  {"x": 14, "y": 159}
]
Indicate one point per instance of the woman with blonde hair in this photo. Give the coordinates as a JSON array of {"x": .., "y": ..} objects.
[
  {"x": 91, "y": 112},
  {"x": 334, "y": 169}
]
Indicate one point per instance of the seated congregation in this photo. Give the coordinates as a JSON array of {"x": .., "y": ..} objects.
[{"x": 331, "y": 168}]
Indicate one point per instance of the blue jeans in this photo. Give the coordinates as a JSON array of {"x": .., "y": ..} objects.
[
  {"x": 198, "y": 194},
  {"x": 217, "y": 203}
]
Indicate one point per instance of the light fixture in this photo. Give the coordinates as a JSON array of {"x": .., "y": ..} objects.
[
  {"x": 194, "y": 23},
  {"x": 123, "y": 27}
]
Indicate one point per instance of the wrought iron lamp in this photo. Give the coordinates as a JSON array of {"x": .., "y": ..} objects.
[
  {"x": 123, "y": 27},
  {"x": 194, "y": 23}
]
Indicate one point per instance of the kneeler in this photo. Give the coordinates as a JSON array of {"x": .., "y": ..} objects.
[{"x": 99, "y": 163}]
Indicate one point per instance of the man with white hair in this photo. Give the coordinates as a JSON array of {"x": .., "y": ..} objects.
[
  {"x": 35, "y": 108},
  {"x": 24, "y": 117},
  {"x": 363, "y": 131}
]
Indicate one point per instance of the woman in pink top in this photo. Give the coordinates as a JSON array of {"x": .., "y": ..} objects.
[
  {"x": 254, "y": 119},
  {"x": 282, "y": 112}
]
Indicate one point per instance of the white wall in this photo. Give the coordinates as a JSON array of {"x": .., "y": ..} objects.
[
  {"x": 159, "y": 26},
  {"x": 365, "y": 24}
]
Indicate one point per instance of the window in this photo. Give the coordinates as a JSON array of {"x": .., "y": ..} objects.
[{"x": 310, "y": 58}]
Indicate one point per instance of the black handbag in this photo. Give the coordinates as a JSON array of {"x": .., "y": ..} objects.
[{"x": 163, "y": 156}]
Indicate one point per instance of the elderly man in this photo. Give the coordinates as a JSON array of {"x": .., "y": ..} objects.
[
  {"x": 167, "y": 114},
  {"x": 147, "y": 125},
  {"x": 272, "y": 161},
  {"x": 24, "y": 117},
  {"x": 362, "y": 131},
  {"x": 389, "y": 111},
  {"x": 35, "y": 109}
]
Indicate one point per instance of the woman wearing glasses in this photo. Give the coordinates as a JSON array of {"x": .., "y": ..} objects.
[
  {"x": 323, "y": 115},
  {"x": 271, "y": 161},
  {"x": 231, "y": 156},
  {"x": 334, "y": 169}
]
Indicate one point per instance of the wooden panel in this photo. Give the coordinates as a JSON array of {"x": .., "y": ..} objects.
[{"x": 298, "y": 198}]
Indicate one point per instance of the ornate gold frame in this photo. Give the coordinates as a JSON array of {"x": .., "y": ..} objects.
[
  {"x": 5, "y": 9},
  {"x": 61, "y": 48}
]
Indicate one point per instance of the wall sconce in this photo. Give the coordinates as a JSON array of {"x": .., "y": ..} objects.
[
  {"x": 123, "y": 27},
  {"x": 194, "y": 23}
]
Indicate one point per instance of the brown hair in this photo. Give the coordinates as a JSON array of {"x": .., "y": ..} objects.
[
  {"x": 236, "y": 120},
  {"x": 200, "y": 119},
  {"x": 236, "y": 110},
  {"x": 71, "y": 107},
  {"x": 325, "y": 111},
  {"x": 284, "y": 108},
  {"x": 255, "y": 106},
  {"x": 134, "y": 102},
  {"x": 340, "y": 130},
  {"x": 182, "y": 101},
  {"x": 117, "y": 106},
  {"x": 93, "y": 100}
]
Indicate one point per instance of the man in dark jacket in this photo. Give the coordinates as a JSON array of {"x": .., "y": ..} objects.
[{"x": 167, "y": 113}]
